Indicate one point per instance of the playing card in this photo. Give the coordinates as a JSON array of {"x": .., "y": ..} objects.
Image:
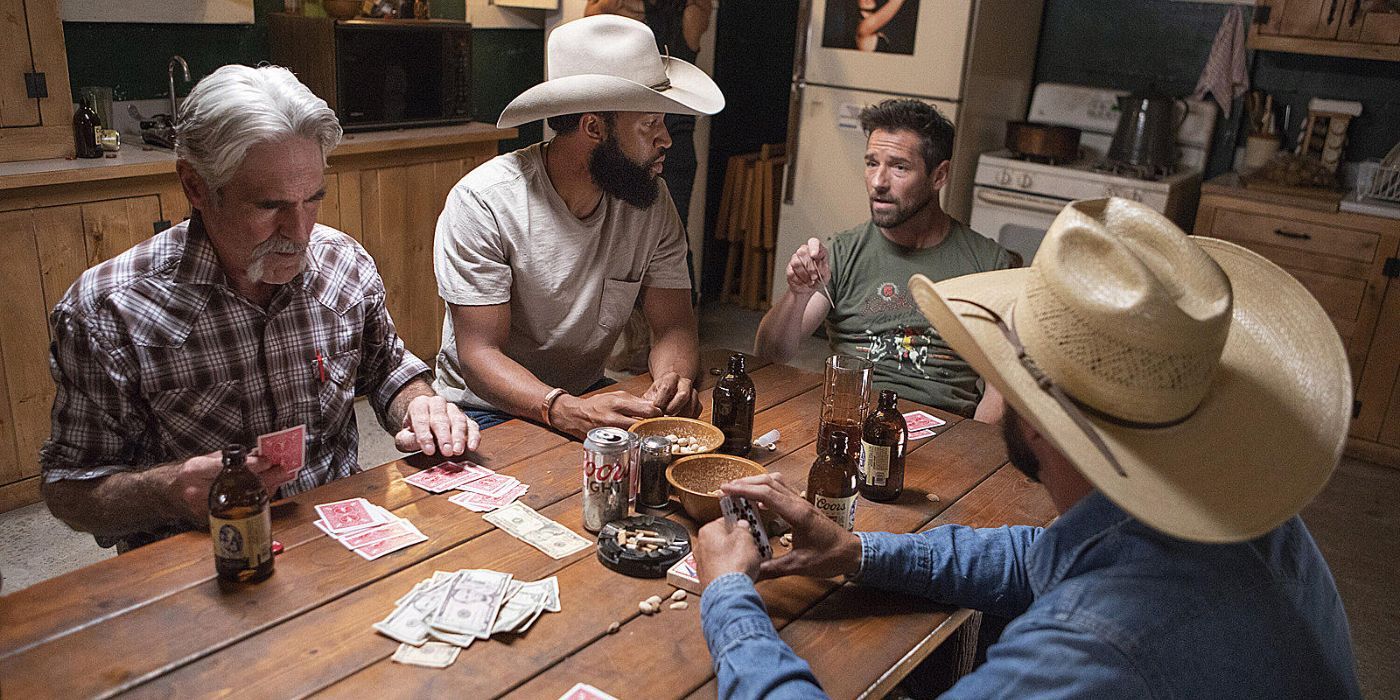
[
  {"x": 346, "y": 516},
  {"x": 490, "y": 485},
  {"x": 921, "y": 434},
  {"x": 921, "y": 420},
  {"x": 584, "y": 691},
  {"x": 284, "y": 447},
  {"x": 445, "y": 477},
  {"x": 373, "y": 534},
  {"x": 481, "y": 504},
  {"x": 375, "y": 550}
]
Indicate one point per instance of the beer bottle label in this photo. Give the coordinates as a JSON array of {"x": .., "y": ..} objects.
[
  {"x": 842, "y": 511},
  {"x": 874, "y": 464},
  {"x": 247, "y": 540}
]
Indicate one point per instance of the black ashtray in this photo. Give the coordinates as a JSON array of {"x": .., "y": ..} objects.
[{"x": 643, "y": 546}]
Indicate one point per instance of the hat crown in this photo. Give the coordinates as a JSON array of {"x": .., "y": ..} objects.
[
  {"x": 1125, "y": 313},
  {"x": 606, "y": 45}
]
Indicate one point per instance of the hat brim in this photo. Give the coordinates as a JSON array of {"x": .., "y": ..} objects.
[
  {"x": 691, "y": 92},
  {"x": 1260, "y": 446}
]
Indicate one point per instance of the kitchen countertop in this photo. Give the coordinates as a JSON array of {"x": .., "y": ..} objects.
[{"x": 137, "y": 159}]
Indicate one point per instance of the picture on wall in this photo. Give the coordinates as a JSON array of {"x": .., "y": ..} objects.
[{"x": 884, "y": 26}]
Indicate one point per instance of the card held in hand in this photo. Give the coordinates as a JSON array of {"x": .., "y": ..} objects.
[{"x": 286, "y": 448}]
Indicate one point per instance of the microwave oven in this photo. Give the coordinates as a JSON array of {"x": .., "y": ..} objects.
[{"x": 379, "y": 73}]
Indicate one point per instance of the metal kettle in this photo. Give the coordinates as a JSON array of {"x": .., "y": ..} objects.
[{"x": 1146, "y": 134}]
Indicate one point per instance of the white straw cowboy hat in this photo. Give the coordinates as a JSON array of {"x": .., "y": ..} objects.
[
  {"x": 608, "y": 63},
  {"x": 1196, "y": 384}
]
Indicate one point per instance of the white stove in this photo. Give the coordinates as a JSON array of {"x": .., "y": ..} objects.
[{"x": 1015, "y": 200}]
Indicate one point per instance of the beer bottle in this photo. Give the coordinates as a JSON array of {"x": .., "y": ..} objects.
[
  {"x": 240, "y": 521},
  {"x": 831, "y": 485},
  {"x": 882, "y": 451},
  {"x": 732, "y": 411},
  {"x": 85, "y": 128}
]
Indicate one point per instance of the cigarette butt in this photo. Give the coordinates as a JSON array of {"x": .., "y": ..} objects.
[
  {"x": 621, "y": 538},
  {"x": 680, "y": 605},
  {"x": 678, "y": 595},
  {"x": 651, "y": 540}
]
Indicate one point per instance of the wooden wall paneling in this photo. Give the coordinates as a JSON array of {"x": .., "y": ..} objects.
[
  {"x": 16, "y": 107},
  {"x": 350, "y": 212},
  {"x": 1379, "y": 392},
  {"x": 24, "y": 346},
  {"x": 423, "y": 304},
  {"x": 329, "y": 212},
  {"x": 382, "y": 192},
  {"x": 19, "y": 493},
  {"x": 113, "y": 226},
  {"x": 14, "y": 235},
  {"x": 34, "y": 27}
]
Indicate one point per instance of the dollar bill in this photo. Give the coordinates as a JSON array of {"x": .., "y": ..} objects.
[
  {"x": 521, "y": 609},
  {"x": 461, "y": 641},
  {"x": 472, "y": 602},
  {"x": 430, "y": 655},
  {"x": 525, "y": 524},
  {"x": 409, "y": 622}
]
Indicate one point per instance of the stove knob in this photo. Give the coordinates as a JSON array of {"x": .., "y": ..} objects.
[
  {"x": 1025, "y": 181},
  {"x": 1004, "y": 178}
]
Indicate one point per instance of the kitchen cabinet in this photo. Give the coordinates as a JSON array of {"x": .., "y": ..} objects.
[
  {"x": 1349, "y": 263},
  {"x": 1352, "y": 28},
  {"x": 58, "y": 218},
  {"x": 36, "y": 111}
]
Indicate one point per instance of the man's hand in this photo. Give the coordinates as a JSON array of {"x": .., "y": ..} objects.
[
  {"x": 722, "y": 548},
  {"x": 809, "y": 269},
  {"x": 193, "y": 478},
  {"x": 619, "y": 409},
  {"x": 674, "y": 395},
  {"x": 820, "y": 547},
  {"x": 436, "y": 426}
]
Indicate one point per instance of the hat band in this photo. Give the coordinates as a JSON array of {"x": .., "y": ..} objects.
[{"x": 1072, "y": 406}]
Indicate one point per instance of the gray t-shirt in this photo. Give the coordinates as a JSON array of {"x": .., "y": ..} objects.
[
  {"x": 873, "y": 314},
  {"x": 505, "y": 235}
]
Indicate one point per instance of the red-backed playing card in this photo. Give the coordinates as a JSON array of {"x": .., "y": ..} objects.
[
  {"x": 490, "y": 485},
  {"x": 922, "y": 420},
  {"x": 286, "y": 448},
  {"x": 342, "y": 516},
  {"x": 584, "y": 691}
]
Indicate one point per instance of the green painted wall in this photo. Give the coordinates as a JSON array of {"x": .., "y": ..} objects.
[{"x": 131, "y": 58}]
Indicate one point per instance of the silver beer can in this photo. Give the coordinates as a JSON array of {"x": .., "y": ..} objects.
[{"x": 607, "y": 476}]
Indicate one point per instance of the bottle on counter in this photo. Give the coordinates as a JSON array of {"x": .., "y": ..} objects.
[
  {"x": 240, "y": 521},
  {"x": 882, "y": 450},
  {"x": 87, "y": 128},
  {"x": 832, "y": 484},
  {"x": 732, "y": 411}
]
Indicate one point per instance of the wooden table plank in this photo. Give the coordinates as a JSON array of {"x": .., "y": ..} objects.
[{"x": 948, "y": 465}]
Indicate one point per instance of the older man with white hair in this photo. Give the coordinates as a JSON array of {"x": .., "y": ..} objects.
[{"x": 246, "y": 319}]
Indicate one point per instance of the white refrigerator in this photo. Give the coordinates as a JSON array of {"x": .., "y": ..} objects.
[{"x": 972, "y": 59}]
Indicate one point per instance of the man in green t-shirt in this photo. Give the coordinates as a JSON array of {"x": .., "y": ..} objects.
[{"x": 859, "y": 286}]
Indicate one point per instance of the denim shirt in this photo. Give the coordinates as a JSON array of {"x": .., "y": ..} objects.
[{"x": 1104, "y": 606}]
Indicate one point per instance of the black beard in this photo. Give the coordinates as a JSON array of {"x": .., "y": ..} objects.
[
  {"x": 1017, "y": 450},
  {"x": 898, "y": 216},
  {"x": 622, "y": 177}
]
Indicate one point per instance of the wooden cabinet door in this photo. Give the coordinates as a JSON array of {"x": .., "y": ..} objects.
[
  {"x": 1369, "y": 26},
  {"x": 111, "y": 227},
  {"x": 1378, "y": 419},
  {"x": 400, "y": 207},
  {"x": 31, "y": 41},
  {"x": 1317, "y": 19},
  {"x": 44, "y": 254}
]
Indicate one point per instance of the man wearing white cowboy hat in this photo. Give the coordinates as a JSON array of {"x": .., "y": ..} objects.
[
  {"x": 1181, "y": 400},
  {"x": 540, "y": 254}
]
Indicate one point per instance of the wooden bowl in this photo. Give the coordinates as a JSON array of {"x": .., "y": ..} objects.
[
  {"x": 342, "y": 9},
  {"x": 709, "y": 436},
  {"x": 696, "y": 479}
]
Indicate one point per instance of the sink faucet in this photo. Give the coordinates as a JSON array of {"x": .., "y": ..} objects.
[{"x": 175, "y": 61}]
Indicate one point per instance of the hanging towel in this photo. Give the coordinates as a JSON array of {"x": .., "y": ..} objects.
[{"x": 1225, "y": 76}]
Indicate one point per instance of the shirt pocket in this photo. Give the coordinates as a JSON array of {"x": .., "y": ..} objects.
[
  {"x": 199, "y": 420},
  {"x": 618, "y": 298}
]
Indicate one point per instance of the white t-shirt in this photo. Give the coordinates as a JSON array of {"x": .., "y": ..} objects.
[{"x": 505, "y": 235}]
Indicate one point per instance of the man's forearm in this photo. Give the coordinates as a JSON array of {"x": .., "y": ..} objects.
[
  {"x": 503, "y": 382},
  {"x": 116, "y": 505},
  {"x": 695, "y": 22},
  {"x": 676, "y": 350},
  {"x": 980, "y": 568},
  {"x": 780, "y": 331}
]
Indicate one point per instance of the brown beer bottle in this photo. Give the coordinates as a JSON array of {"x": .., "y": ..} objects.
[
  {"x": 882, "y": 451},
  {"x": 240, "y": 521},
  {"x": 831, "y": 485},
  {"x": 85, "y": 128},
  {"x": 732, "y": 411}
]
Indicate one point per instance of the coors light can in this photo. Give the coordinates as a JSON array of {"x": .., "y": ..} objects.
[{"x": 607, "y": 477}]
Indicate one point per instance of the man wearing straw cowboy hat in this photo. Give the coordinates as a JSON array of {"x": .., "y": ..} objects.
[
  {"x": 540, "y": 254},
  {"x": 1181, "y": 399}
]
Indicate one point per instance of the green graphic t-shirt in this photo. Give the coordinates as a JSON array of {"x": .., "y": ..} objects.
[{"x": 873, "y": 315}]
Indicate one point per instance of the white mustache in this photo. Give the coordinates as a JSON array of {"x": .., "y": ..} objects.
[{"x": 276, "y": 244}]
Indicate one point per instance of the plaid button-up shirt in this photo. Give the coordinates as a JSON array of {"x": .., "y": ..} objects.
[{"x": 157, "y": 359}]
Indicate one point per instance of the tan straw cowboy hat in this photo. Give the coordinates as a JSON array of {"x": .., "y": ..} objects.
[
  {"x": 1196, "y": 384},
  {"x": 607, "y": 63}
]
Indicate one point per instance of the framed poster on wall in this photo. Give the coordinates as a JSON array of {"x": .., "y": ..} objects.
[{"x": 159, "y": 11}]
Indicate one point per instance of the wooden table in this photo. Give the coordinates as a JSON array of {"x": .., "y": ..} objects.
[{"x": 155, "y": 623}]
